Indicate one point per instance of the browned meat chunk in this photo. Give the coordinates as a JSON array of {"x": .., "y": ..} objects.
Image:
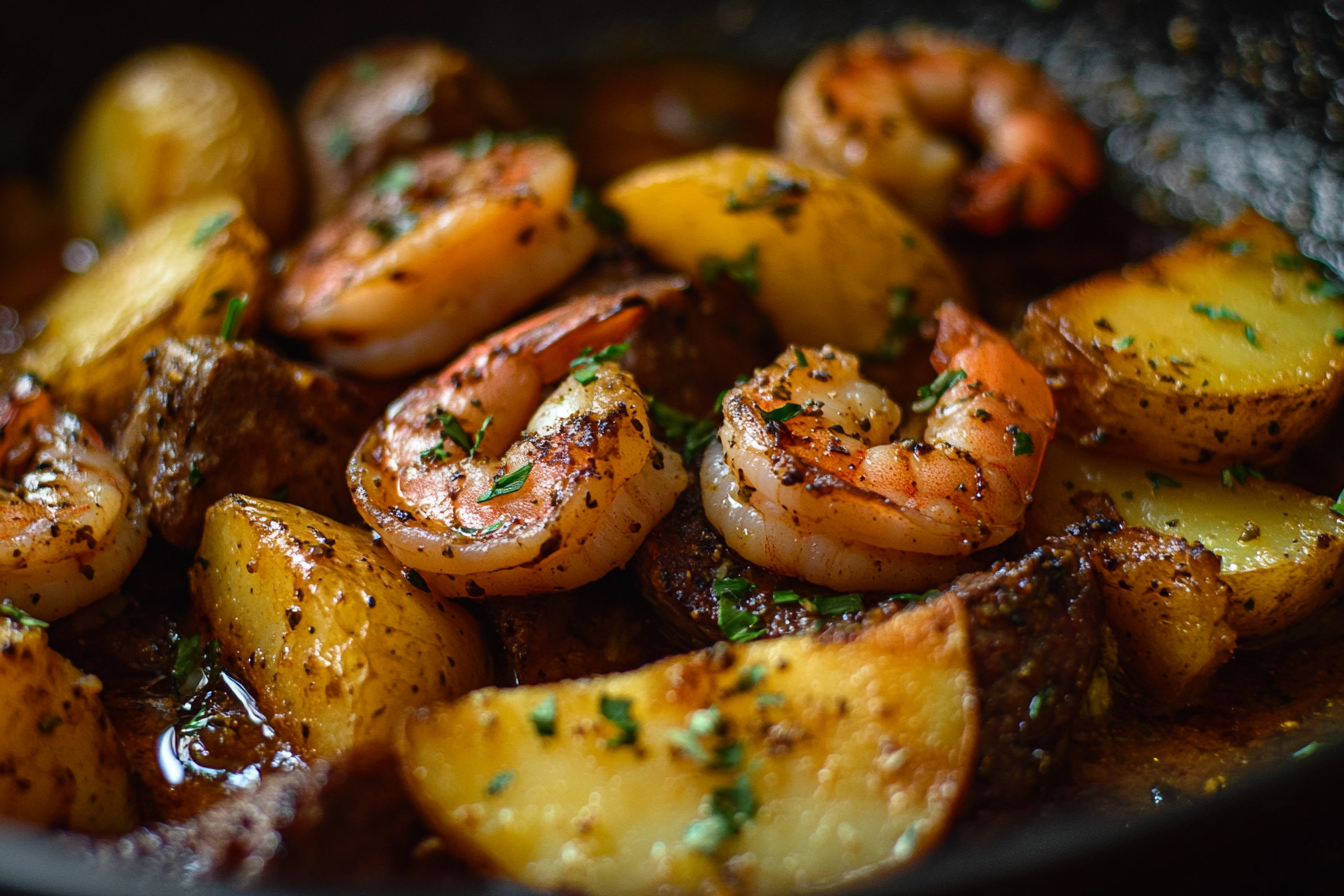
[{"x": 214, "y": 418}]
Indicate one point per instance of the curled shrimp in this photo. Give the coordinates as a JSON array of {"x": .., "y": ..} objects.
[
  {"x": 435, "y": 252},
  {"x": 810, "y": 479},
  {"x": 485, "y": 488},
  {"x": 70, "y": 527},
  {"x": 894, "y": 109}
]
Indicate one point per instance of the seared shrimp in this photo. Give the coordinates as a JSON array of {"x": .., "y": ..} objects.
[
  {"x": 894, "y": 108},
  {"x": 434, "y": 253},
  {"x": 485, "y": 489},
  {"x": 70, "y": 527},
  {"x": 810, "y": 479}
]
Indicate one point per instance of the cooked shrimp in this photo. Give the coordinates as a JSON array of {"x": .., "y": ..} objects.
[
  {"x": 70, "y": 527},
  {"x": 810, "y": 478},
  {"x": 434, "y": 253},
  {"x": 894, "y": 109},
  {"x": 484, "y": 488}
]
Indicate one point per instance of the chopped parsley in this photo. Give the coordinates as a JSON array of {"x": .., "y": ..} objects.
[
  {"x": 742, "y": 271},
  {"x": 450, "y": 429},
  {"x": 1338, "y": 506},
  {"x": 737, "y": 624},
  {"x": 771, "y": 699},
  {"x": 1238, "y": 473},
  {"x": 1022, "y": 443},
  {"x": 1339, "y": 335},
  {"x": 493, "y": 527},
  {"x": 604, "y": 218},
  {"x": 750, "y": 676},
  {"x": 194, "y": 475},
  {"x": 198, "y": 722},
  {"x": 1157, "y": 480},
  {"x": 1220, "y": 313},
  {"x": 50, "y": 724},
  {"x": 396, "y": 178},
  {"x": 1122, "y": 343},
  {"x": 499, "y": 782},
  {"x": 393, "y": 226},
  {"x": 911, "y": 597},
  {"x": 7, "y": 609},
  {"x": 678, "y": 427},
  {"x": 778, "y": 193},
  {"x": 1307, "y": 750},
  {"x": 233, "y": 318},
  {"x": 801, "y": 358},
  {"x": 1127, "y": 495},
  {"x": 1236, "y": 247},
  {"x": 902, "y": 324},
  {"x": 340, "y": 143},
  {"x": 209, "y": 227},
  {"x": 736, "y": 590},
  {"x": 785, "y": 597},
  {"x": 617, "y": 711},
  {"x": 929, "y": 395},
  {"x": 835, "y": 604},
  {"x": 1288, "y": 261},
  {"x": 729, "y": 809},
  {"x": 1326, "y": 289},
  {"x": 507, "y": 484},
  {"x": 1039, "y": 702},
  {"x": 784, "y": 412},
  {"x": 1251, "y": 337},
  {"x": 416, "y": 580},
  {"x": 543, "y": 717},
  {"x": 195, "y": 666},
  {"x": 585, "y": 365}
]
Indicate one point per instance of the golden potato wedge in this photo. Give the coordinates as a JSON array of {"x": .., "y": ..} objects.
[
  {"x": 60, "y": 761},
  {"x": 758, "y": 768},
  {"x": 827, "y": 258},
  {"x": 1281, "y": 547},
  {"x": 1168, "y": 611},
  {"x": 1219, "y": 351},
  {"x": 334, "y": 640},
  {"x": 173, "y": 125},
  {"x": 174, "y": 277}
]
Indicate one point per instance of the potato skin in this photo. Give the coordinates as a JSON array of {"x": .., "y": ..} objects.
[
  {"x": 172, "y": 278},
  {"x": 857, "y": 765},
  {"x": 1139, "y": 369},
  {"x": 247, "y": 422},
  {"x": 322, "y": 624},
  {"x": 173, "y": 125},
  {"x": 60, "y": 761},
  {"x": 828, "y": 256}
]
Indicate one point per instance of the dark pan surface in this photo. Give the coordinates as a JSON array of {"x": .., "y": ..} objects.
[{"x": 1204, "y": 108}]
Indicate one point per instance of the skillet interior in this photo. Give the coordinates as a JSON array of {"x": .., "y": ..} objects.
[{"x": 1251, "y": 113}]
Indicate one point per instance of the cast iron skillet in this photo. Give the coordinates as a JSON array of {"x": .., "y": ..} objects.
[{"x": 1248, "y": 114}]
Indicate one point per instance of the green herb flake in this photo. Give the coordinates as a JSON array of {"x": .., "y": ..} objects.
[
  {"x": 835, "y": 604},
  {"x": 705, "y": 722},
  {"x": 543, "y": 717},
  {"x": 586, "y": 364},
  {"x": 604, "y": 218},
  {"x": 417, "y": 581},
  {"x": 1157, "y": 480},
  {"x": 1127, "y": 495},
  {"x": 1237, "y": 474},
  {"x": 195, "y": 666},
  {"x": 778, "y": 193},
  {"x": 20, "y": 617},
  {"x": 750, "y": 677},
  {"x": 902, "y": 324},
  {"x": 507, "y": 484},
  {"x": 929, "y": 395},
  {"x": 742, "y": 271},
  {"x": 1236, "y": 247},
  {"x": 679, "y": 427},
  {"x": 911, "y": 597},
  {"x": 771, "y": 699},
  {"x": 1122, "y": 343},
  {"x": 1338, "y": 506},
  {"x": 736, "y": 590},
  {"x": 1307, "y": 750},
  {"x": 1220, "y": 313},
  {"x": 1339, "y": 335},
  {"x": 801, "y": 358},
  {"x": 729, "y": 809},
  {"x": 1022, "y": 443},
  {"x": 209, "y": 227},
  {"x": 1250, "y": 335},
  {"x": 1289, "y": 262},
  {"x": 617, "y": 711},
  {"x": 233, "y": 318},
  {"x": 198, "y": 722},
  {"x": 194, "y": 475},
  {"x": 50, "y": 724},
  {"x": 781, "y": 414},
  {"x": 1325, "y": 289},
  {"x": 281, "y": 493},
  {"x": 737, "y": 624},
  {"x": 727, "y": 755},
  {"x": 689, "y": 745},
  {"x": 396, "y": 178},
  {"x": 1039, "y": 702},
  {"x": 785, "y": 597},
  {"x": 340, "y": 143},
  {"x": 499, "y": 782},
  {"x": 708, "y": 834},
  {"x": 389, "y": 228}
]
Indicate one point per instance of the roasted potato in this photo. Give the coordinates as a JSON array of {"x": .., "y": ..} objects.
[
  {"x": 1281, "y": 547},
  {"x": 1220, "y": 351},
  {"x": 60, "y": 760},
  {"x": 393, "y": 99},
  {"x": 175, "y": 277},
  {"x": 335, "y": 641},
  {"x": 828, "y": 259},
  {"x": 173, "y": 125},
  {"x": 758, "y": 768}
]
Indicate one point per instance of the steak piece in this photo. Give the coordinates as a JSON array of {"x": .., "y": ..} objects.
[{"x": 215, "y": 418}]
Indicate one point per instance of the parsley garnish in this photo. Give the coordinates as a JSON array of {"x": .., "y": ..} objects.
[
  {"x": 617, "y": 711},
  {"x": 1250, "y": 336},
  {"x": 1122, "y": 343},
  {"x": 779, "y": 193},
  {"x": 1022, "y": 443},
  {"x": 771, "y": 699},
  {"x": 416, "y": 580},
  {"x": 1307, "y": 750},
  {"x": 396, "y": 178},
  {"x": 450, "y": 428},
  {"x": 911, "y": 597},
  {"x": 1238, "y": 473},
  {"x": 1220, "y": 313},
  {"x": 1236, "y": 247},
  {"x": 785, "y": 597},
  {"x": 1127, "y": 495},
  {"x": 784, "y": 412},
  {"x": 339, "y": 144},
  {"x": 678, "y": 426},
  {"x": 742, "y": 271},
  {"x": 543, "y": 717},
  {"x": 493, "y": 527},
  {"x": 585, "y": 365},
  {"x": 729, "y": 808},
  {"x": 801, "y": 358},
  {"x": 1039, "y": 702},
  {"x": 194, "y": 475},
  {"x": 929, "y": 395},
  {"x": 499, "y": 782},
  {"x": 604, "y": 218},
  {"x": 1339, "y": 335},
  {"x": 507, "y": 484},
  {"x": 1338, "y": 506},
  {"x": 1326, "y": 289},
  {"x": 736, "y": 590},
  {"x": 211, "y": 226},
  {"x": 750, "y": 676},
  {"x": 390, "y": 228},
  {"x": 199, "y": 721},
  {"x": 1157, "y": 480},
  {"x": 738, "y": 625},
  {"x": 20, "y": 616},
  {"x": 1288, "y": 262},
  {"x": 49, "y": 724},
  {"x": 233, "y": 318},
  {"x": 902, "y": 324},
  {"x": 835, "y": 604},
  {"x": 195, "y": 667}
]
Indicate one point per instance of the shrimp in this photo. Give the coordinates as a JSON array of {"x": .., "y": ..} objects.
[
  {"x": 810, "y": 479},
  {"x": 71, "y": 529},
  {"x": 485, "y": 489},
  {"x": 434, "y": 253},
  {"x": 894, "y": 109}
]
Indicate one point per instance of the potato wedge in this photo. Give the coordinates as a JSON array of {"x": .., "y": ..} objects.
[
  {"x": 174, "y": 277},
  {"x": 827, "y": 258},
  {"x": 60, "y": 761},
  {"x": 173, "y": 125},
  {"x": 759, "y": 768},
  {"x": 323, "y": 625},
  {"x": 1281, "y": 547},
  {"x": 1219, "y": 351}
]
